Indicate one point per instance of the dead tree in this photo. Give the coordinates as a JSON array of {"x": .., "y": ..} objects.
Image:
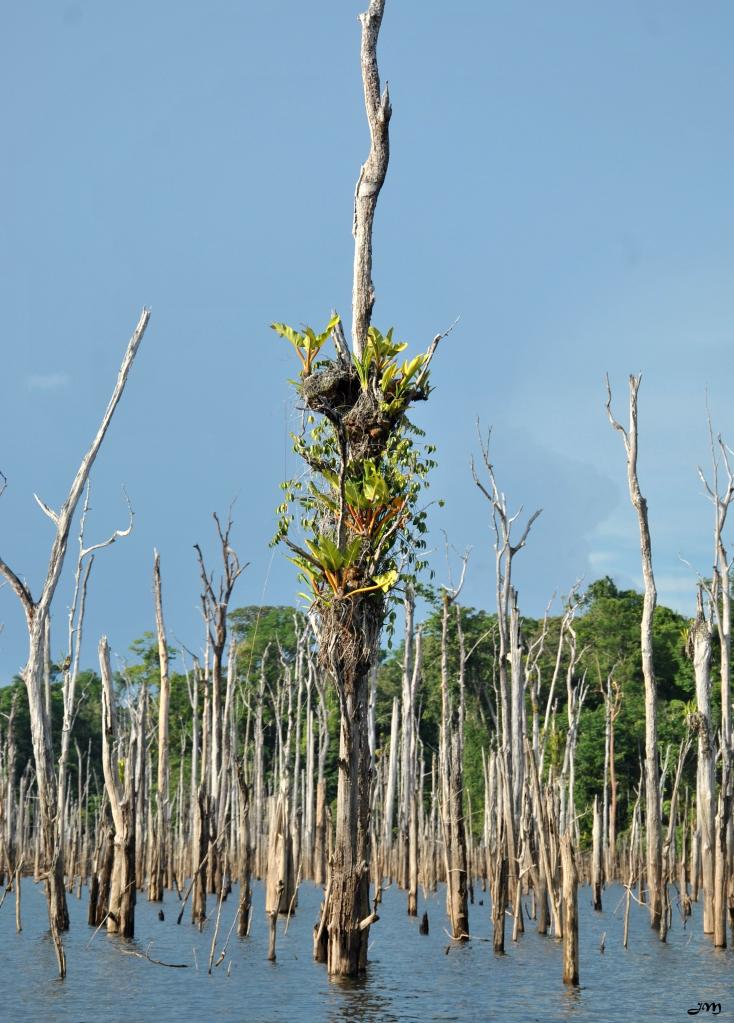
[
  {"x": 279, "y": 860},
  {"x": 652, "y": 783},
  {"x": 70, "y": 667},
  {"x": 362, "y": 399},
  {"x": 597, "y": 859},
  {"x": 612, "y": 694},
  {"x": 245, "y": 854},
  {"x": 320, "y": 827},
  {"x": 159, "y": 857},
  {"x": 699, "y": 647},
  {"x": 512, "y": 690},
  {"x": 119, "y": 777},
  {"x": 721, "y": 575},
  {"x": 411, "y": 678},
  {"x": 570, "y": 911},
  {"x": 215, "y": 605},
  {"x": 451, "y": 756},
  {"x": 37, "y": 613}
]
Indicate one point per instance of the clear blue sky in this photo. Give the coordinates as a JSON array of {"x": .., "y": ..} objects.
[{"x": 560, "y": 176}]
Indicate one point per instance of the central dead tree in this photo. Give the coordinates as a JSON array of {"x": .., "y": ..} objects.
[{"x": 360, "y": 510}]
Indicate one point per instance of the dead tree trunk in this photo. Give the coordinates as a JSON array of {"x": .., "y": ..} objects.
[
  {"x": 700, "y": 648},
  {"x": 245, "y": 855},
  {"x": 612, "y": 705},
  {"x": 570, "y": 912},
  {"x": 451, "y": 755},
  {"x": 597, "y": 871},
  {"x": 200, "y": 854},
  {"x": 652, "y": 786},
  {"x": 215, "y": 605},
  {"x": 279, "y": 858},
  {"x": 159, "y": 853},
  {"x": 70, "y": 667},
  {"x": 119, "y": 777},
  {"x": 392, "y": 777},
  {"x": 512, "y": 689}
]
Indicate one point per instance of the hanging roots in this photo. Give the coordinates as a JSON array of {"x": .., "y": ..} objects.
[{"x": 349, "y": 633}]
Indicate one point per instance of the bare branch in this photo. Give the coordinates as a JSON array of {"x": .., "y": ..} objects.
[
  {"x": 46, "y": 510},
  {"x": 340, "y": 343},
  {"x": 118, "y": 533},
  {"x": 612, "y": 420},
  {"x": 521, "y": 542},
  {"x": 421, "y": 378},
  {"x": 21, "y": 590}
]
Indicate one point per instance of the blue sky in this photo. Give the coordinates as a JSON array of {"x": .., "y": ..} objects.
[{"x": 560, "y": 177}]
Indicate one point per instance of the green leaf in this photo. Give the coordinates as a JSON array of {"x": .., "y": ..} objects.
[
  {"x": 386, "y": 580},
  {"x": 296, "y": 339}
]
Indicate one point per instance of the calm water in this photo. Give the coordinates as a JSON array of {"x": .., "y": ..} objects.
[{"x": 410, "y": 977}]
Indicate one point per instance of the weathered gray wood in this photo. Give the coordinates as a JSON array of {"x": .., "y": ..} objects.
[
  {"x": 570, "y": 912},
  {"x": 652, "y": 785},
  {"x": 159, "y": 856},
  {"x": 371, "y": 176},
  {"x": 121, "y": 794}
]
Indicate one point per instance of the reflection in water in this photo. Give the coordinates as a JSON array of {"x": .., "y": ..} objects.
[
  {"x": 572, "y": 1002},
  {"x": 410, "y": 976},
  {"x": 359, "y": 1001}
]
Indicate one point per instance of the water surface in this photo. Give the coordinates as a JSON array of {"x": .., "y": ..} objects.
[{"x": 410, "y": 977}]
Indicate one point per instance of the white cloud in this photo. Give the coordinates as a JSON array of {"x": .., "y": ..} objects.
[
  {"x": 602, "y": 559},
  {"x": 47, "y": 381}
]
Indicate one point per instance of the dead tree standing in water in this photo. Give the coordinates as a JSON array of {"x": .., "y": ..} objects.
[
  {"x": 366, "y": 475},
  {"x": 159, "y": 855},
  {"x": 511, "y": 690},
  {"x": 451, "y": 757},
  {"x": 119, "y": 777},
  {"x": 652, "y": 781},
  {"x": 216, "y": 605},
  {"x": 37, "y": 613}
]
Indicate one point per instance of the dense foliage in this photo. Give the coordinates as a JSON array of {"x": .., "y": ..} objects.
[{"x": 608, "y": 640}]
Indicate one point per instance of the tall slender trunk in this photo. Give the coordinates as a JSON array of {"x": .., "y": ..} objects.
[
  {"x": 652, "y": 785},
  {"x": 350, "y": 917},
  {"x": 122, "y": 796},
  {"x": 700, "y": 647},
  {"x": 158, "y": 860}
]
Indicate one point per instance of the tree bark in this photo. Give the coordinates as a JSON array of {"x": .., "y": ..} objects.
[
  {"x": 371, "y": 176},
  {"x": 570, "y": 912},
  {"x": 121, "y": 794}
]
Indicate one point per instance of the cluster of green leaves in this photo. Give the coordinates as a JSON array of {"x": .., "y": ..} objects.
[
  {"x": 396, "y": 380},
  {"x": 361, "y": 521},
  {"x": 307, "y": 343}
]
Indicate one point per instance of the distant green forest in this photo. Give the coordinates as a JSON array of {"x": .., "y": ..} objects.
[{"x": 607, "y": 637}]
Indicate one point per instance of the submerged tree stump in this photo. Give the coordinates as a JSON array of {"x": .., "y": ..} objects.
[{"x": 570, "y": 912}]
